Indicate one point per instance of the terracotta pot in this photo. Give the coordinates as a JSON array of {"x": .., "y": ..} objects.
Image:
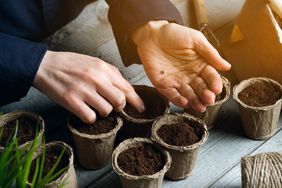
[
  {"x": 68, "y": 177},
  {"x": 183, "y": 157},
  {"x": 258, "y": 122},
  {"x": 141, "y": 127},
  {"x": 131, "y": 181},
  {"x": 212, "y": 111},
  {"x": 6, "y": 118},
  {"x": 95, "y": 151}
]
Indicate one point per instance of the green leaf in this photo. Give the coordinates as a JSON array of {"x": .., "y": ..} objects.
[
  {"x": 47, "y": 177},
  {"x": 34, "y": 179}
]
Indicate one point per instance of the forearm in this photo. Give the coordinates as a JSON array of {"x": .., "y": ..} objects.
[
  {"x": 128, "y": 15},
  {"x": 19, "y": 63},
  {"x": 147, "y": 31}
]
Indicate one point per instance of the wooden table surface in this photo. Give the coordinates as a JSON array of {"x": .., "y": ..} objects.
[{"x": 218, "y": 164}]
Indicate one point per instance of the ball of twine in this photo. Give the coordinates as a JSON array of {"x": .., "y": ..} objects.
[{"x": 262, "y": 170}]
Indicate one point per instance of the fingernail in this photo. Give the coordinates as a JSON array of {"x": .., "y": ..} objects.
[
  {"x": 203, "y": 110},
  {"x": 142, "y": 108}
]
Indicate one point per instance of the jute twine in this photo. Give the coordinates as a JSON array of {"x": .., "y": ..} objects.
[{"x": 262, "y": 170}]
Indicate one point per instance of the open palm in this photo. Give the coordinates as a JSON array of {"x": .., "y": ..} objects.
[{"x": 182, "y": 64}]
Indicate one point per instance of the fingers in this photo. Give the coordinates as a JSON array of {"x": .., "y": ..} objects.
[
  {"x": 99, "y": 103},
  {"x": 114, "y": 95},
  {"x": 82, "y": 110},
  {"x": 130, "y": 95},
  {"x": 212, "y": 79},
  {"x": 175, "y": 97},
  {"x": 209, "y": 53},
  {"x": 201, "y": 89},
  {"x": 194, "y": 102}
]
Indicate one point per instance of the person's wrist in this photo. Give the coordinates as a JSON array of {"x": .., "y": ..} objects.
[
  {"x": 147, "y": 31},
  {"x": 39, "y": 75}
]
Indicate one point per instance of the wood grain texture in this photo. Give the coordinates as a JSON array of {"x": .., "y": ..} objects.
[
  {"x": 90, "y": 33},
  {"x": 233, "y": 177},
  {"x": 218, "y": 12},
  {"x": 223, "y": 150}
]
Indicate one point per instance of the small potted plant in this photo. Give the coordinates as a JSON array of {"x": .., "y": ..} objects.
[
  {"x": 48, "y": 166},
  {"x": 210, "y": 115},
  {"x": 181, "y": 135},
  {"x": 95, "y": 143},
  {"x": 52, "y": 167},
  {"x": 139, "y": 124},
  {"x": 28, "y": 124},
  {"x": 140, "y": 163},
  {"x": 259, "y": 101}
]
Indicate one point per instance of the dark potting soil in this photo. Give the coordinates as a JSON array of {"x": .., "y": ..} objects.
[
  {"x": 154, "y": 104},
  {"x": 100, "y": 126},
  {"x": 26, "y": 130},
  {"x": 143, "y": 160},
  {"x": 221, "y": 96},
  {"x": 180, "y": 134},
  {"x": 51, "y": 157},
  {"x": 260, "y": 93}
]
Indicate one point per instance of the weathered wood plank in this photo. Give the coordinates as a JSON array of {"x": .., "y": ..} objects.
[
  {"x": 223, "y": 150},
  {"x": 233, "y": 177},
  {"x": 219, "y": 12}
]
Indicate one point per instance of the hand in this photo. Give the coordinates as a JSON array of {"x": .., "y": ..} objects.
[
  {"x": 180, "y": 63},
  {"x": 79, "y": 82}
]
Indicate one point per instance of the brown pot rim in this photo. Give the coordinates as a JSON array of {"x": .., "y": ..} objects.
[
  {"x": 68, "y": 150},
  {"x": 14, "y": 115},
  {"x": 97, "y": 136},
  {"x": 236, "y": 91},
  {"x": 227, "y": 86},
  {"x": 143, "y": 120},
  {"x": 156, "y": 126},
  {"x": 126, "y": 144}
]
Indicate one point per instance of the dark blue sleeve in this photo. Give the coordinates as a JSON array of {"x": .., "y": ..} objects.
[
  {"x": 19, "y": 62},
  {"x": 127, "y": 15}
]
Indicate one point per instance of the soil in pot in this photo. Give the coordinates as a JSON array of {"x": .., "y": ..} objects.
[
  {"x": 51, "y": 157},
  {"x": 100, "y": 126},
  {"x": 180, "y": 134},
  {"x": 26, "y": 130},
  {"x": 260, "y": 93},
  {"x": 154, "y": 107},
  {"x": 221, "y": 96},
  {"x": 143, "y": 160}
]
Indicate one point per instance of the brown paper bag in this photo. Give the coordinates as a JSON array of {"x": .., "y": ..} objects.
[{"x": 255, "y": 45}]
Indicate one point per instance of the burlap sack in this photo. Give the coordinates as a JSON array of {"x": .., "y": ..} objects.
[
  {"x": 68, "y": 178},
  {"x": 145, "y": 181},
  {"x": 134, "y": 127},
  {"x": 95, "y": 151},
  {"x": 258, "y": 122},
  {"x": 4, "y": 119},
  {"x": 210, "y": 115},
  {"x": 183, "y": 157},
  {"x": 262, "y": 170}
]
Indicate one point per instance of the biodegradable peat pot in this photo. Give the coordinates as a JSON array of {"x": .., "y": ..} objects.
[
  {"x": 68, "y": 177},
  {"x": 259, "y": 101},
  {"x": 181, "y": 135},
  {"x": 262, "y": 170},
  {"x": 139, "y": 124},
  {"x": 95, "y": 143},
  {"x": 210, "y": 115},
  {"x": 28, "y": 123},
  {"x": 135, "y": 157}
]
